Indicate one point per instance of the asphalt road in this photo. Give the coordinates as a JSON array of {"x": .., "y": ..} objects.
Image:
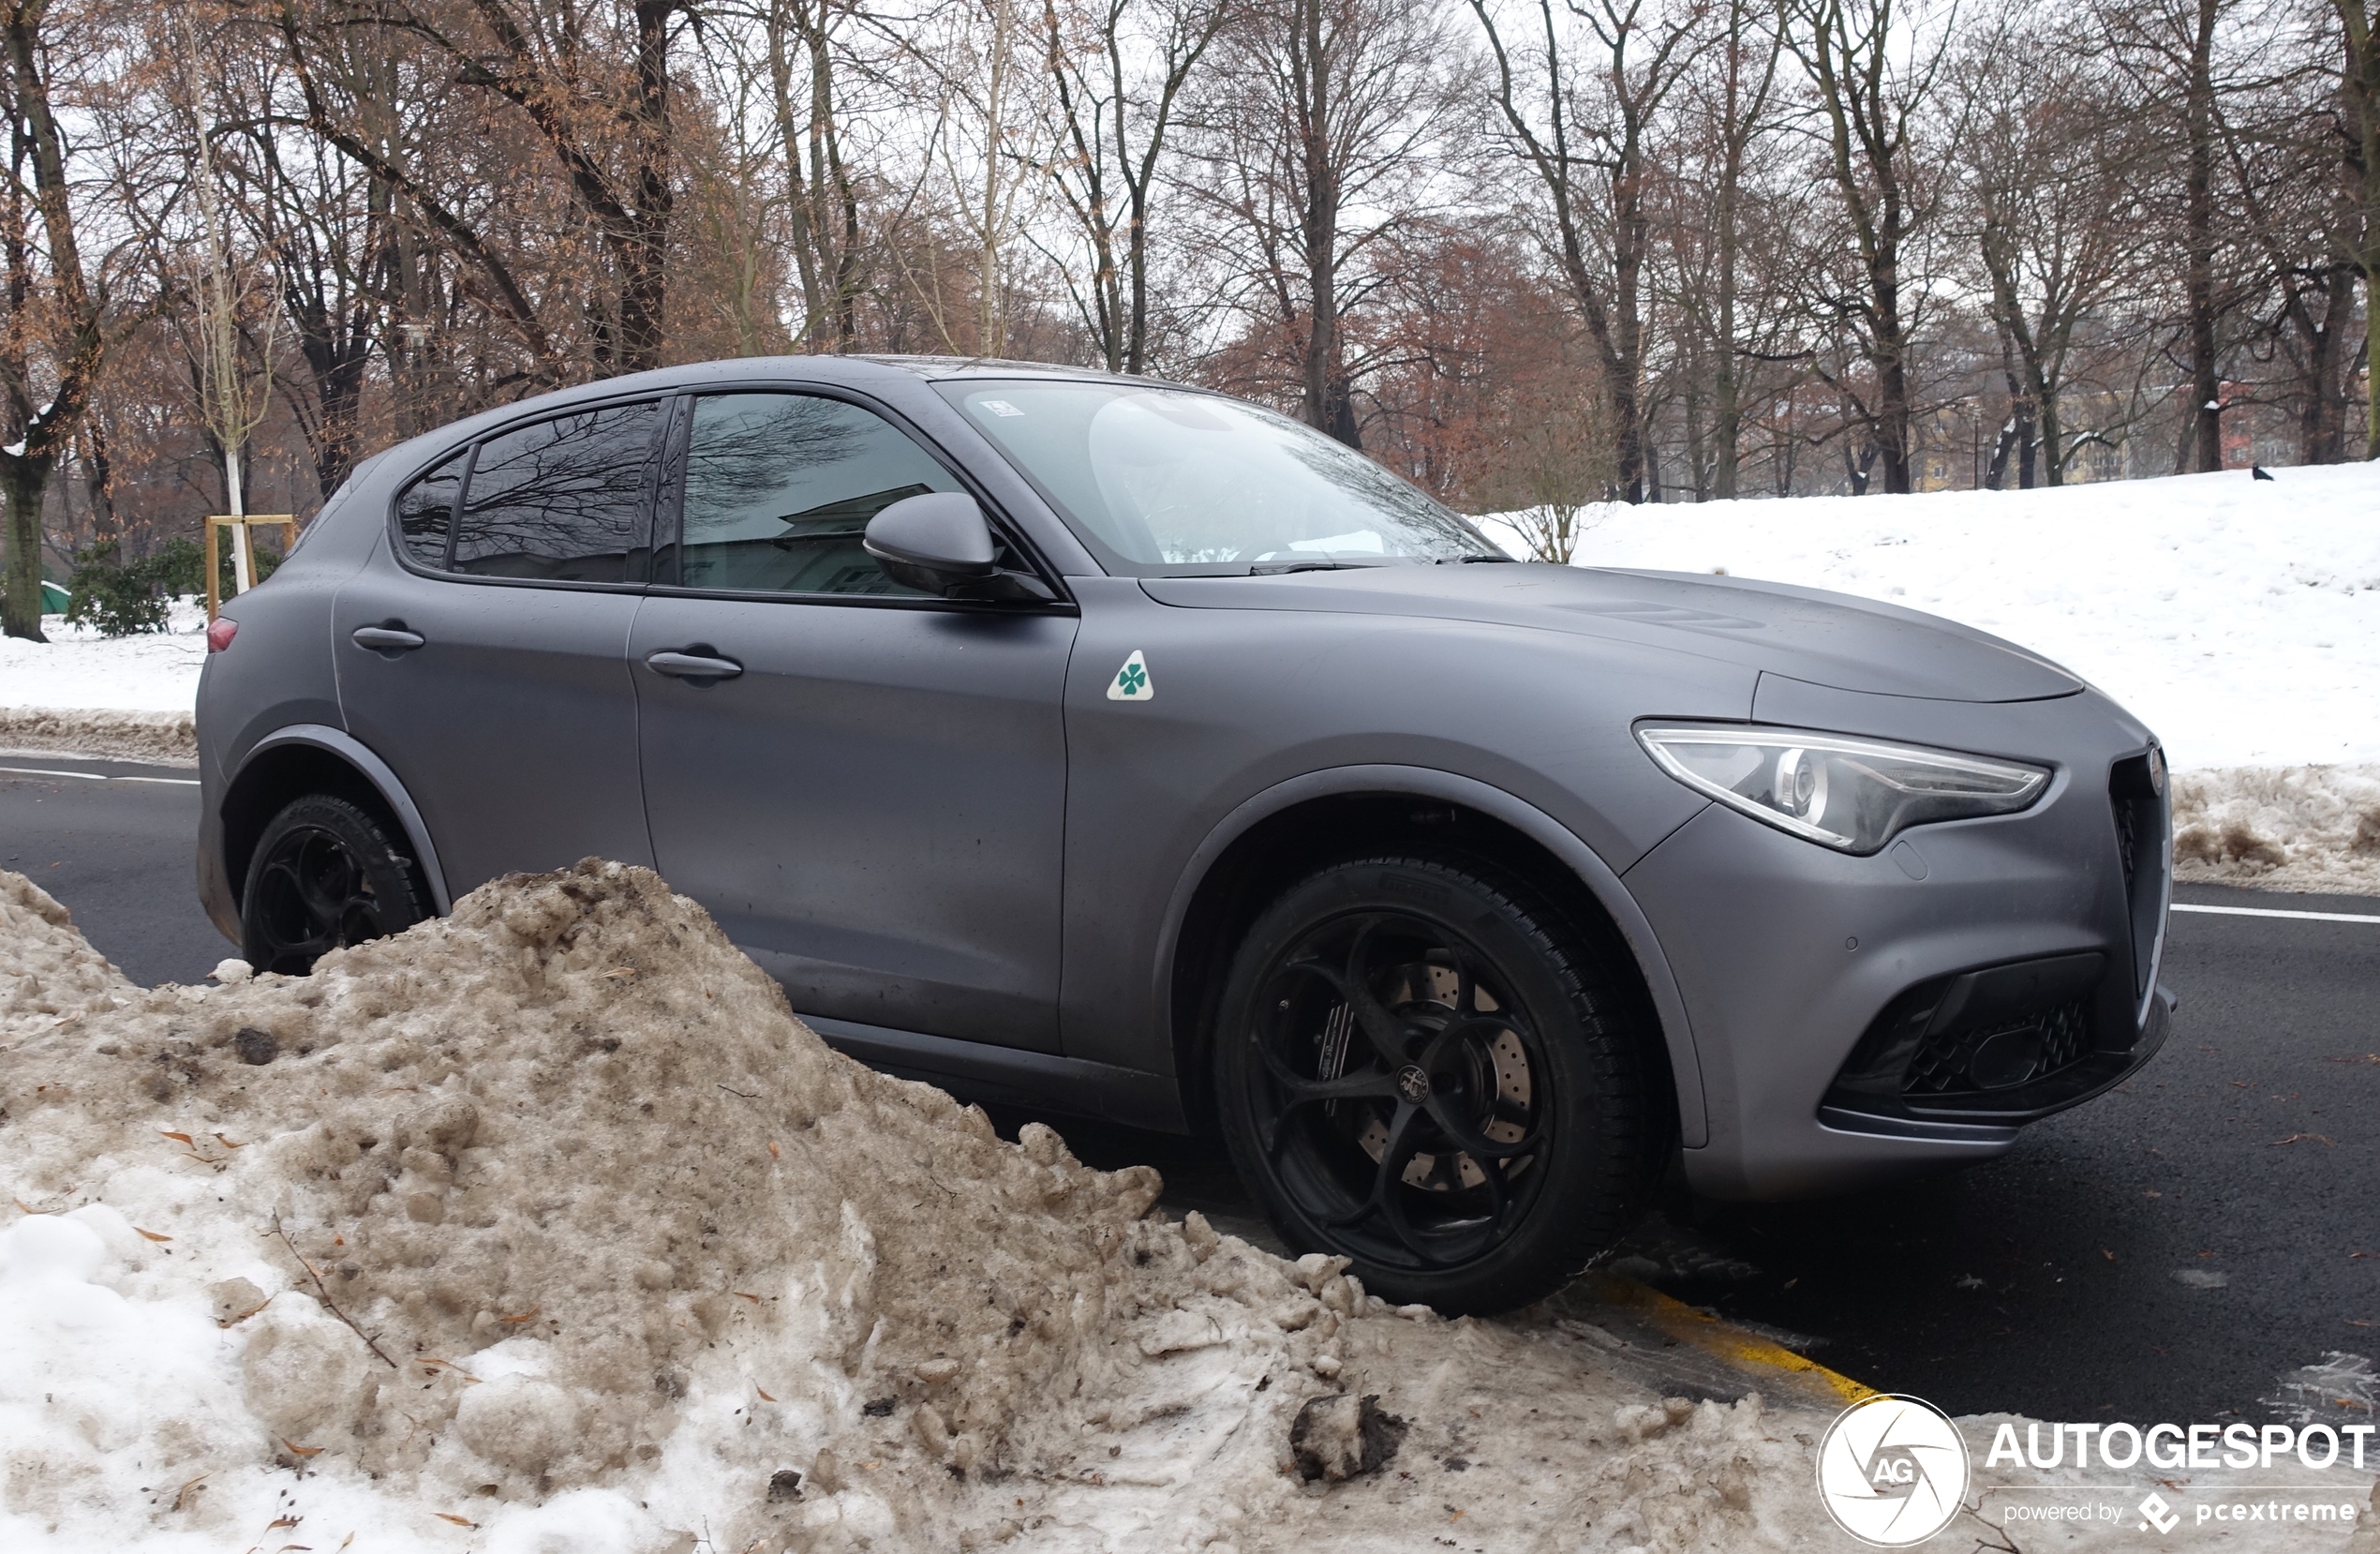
[{"x": 2177, "y": 1249}]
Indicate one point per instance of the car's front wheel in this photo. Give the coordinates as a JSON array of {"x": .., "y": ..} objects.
[
  {"x": 1420, "y": 1064},
  {"x": 325, "y": 874}
]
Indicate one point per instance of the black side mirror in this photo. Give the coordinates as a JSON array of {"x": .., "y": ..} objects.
[{"x": 941, "y": 542}]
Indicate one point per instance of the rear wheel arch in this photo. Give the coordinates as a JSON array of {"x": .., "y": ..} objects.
[
  {"x": 1280, "y": 837},
  {"x": 295, "y": 762}
]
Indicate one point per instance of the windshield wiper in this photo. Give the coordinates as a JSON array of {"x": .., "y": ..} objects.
[
  {"x": 1466, "y": 560},
  {"x": 1273, "y": 569}
]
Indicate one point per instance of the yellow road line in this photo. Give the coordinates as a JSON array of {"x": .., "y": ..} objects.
[{"x": 1688, "y": 1325}]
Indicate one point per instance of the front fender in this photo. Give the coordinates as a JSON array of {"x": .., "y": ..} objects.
[{"x": 1425, "y": 783}]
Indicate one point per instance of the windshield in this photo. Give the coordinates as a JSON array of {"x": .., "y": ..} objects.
[{"x": 1165, "y": 481}]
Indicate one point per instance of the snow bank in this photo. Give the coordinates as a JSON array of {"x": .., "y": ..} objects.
[
  {"x": 163, "y": 736},
  {"x": 152, "y": 672},
  {"x": 2294, "y": 828},
  {"x": 546, "y": 1226},
  {"x": 2239, "y": 618}
]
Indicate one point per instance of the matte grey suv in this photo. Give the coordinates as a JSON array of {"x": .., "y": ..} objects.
[{"x": 1127, "y": 750}]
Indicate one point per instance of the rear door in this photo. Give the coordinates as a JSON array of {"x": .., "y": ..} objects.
[
  {"x": 484, "y": 653},
  {"x": 871, "y": 798}
]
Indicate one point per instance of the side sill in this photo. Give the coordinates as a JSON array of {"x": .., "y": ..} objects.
[{"x": 1013, "y": 1076}]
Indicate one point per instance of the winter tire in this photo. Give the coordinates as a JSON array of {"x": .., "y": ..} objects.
[
  {"x": 1421, "y": 1067},
  {"x": 325, "y": 875}
]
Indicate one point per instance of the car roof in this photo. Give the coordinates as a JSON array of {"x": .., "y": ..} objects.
[
  {"x": 854, "y": 371},
  {"x": 940, "y": 368}
]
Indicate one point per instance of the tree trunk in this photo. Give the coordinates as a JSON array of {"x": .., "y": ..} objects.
[
  {"x": 1323, "y": 402},
  {"x": 24, "y": 481},
  {"x": 2198, "y": 241},
  {"x": 799, "y": 216},
  {"x": 640, "y": 242},
  {"x": 44, "y": 432},
  {"x": 2362, "y": 30},
  {"x": 1726, "y": 411},
  {"x": 99, "y": 479}
]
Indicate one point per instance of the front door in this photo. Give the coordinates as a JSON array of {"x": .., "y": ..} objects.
[
  {"x": 868, "y": 789},
  {"x": 491, "y": 672}
]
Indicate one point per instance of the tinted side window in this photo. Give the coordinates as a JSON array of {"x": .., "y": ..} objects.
[
  {"x": 780, "y": 488},
  {"x": 425, "y": 510},
  {"x": 560, "y": 500}
]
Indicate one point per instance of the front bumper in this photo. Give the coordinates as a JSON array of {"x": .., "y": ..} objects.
[{"x": 1859, "y": 1019}]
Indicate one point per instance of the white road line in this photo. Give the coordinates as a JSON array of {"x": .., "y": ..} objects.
[
  {"x": 95, "y": 776},
  {"x": 2271, "y": 912}
]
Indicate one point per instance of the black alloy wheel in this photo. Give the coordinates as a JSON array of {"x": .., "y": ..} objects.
[
  {"x": 325, "y": 875},
  {"x": 1420, "y": 1068}
]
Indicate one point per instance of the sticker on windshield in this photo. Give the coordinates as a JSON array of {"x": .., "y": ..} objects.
[
  {"x": 1001, "y": 407},
  {"x": 1132, "y": 682}
]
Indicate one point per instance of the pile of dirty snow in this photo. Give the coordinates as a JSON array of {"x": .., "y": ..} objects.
[
  {"x": 168, "y": 738},
  {"x": 546, "y": 1225},
  {"x": 2293, "y": 827}
]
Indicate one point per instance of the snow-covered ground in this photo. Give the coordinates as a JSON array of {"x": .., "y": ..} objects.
[
  {"x": 2240, "y": 618},
  {"x": 153, "y": 672}
]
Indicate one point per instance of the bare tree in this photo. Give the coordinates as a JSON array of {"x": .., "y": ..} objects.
[
  {"x": 1315, "y": 147},
  {"x": 55, "y": 338},
  {"x": 1115, "y": 94},
  {"x": 597, "y": 97},
  {"x": 352, "y": 97},
  {"x": 1749, "y": 48},
  {"x": 822, "y": 193},
  {"x": 235, "y": 373},
  {"x": 2168, "y": 48},
  {"x": 2359, "y": 27},
  {"x": 2292, "y": 196},
  {"x": 1873, "y": 73},
  {"x": 2047, "y": 165},
  {"x": 1586, "y": 140}
]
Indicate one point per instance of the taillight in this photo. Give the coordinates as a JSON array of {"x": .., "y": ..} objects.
[{"x": 219, "y": 633}]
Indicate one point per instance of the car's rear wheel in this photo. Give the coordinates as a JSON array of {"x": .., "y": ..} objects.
[
  {"x": 1421, "y": 1065},
  {"x": 326, "y": 873}
]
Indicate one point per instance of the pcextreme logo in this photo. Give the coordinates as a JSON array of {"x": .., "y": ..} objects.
[{"x": 1892, "y": 1470}]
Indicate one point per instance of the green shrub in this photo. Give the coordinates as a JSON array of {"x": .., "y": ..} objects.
[
  {"x": 122, "y": 598},
  {"x": 181, "y": 566},
  {"x": 119, "y": 598}
]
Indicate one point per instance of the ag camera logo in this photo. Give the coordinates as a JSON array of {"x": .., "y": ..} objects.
[{"x": 1892, "y": 1470}]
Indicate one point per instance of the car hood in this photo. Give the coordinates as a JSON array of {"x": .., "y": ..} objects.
[{"x": 1831, "y": 639}]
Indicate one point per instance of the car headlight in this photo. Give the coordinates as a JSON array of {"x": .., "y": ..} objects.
[{"x": 1852, "y": 794}]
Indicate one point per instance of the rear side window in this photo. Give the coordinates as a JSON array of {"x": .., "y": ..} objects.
[
  {"x": 560, "y": 500},
  {"x": 425, "y": 513},
  {"x": 780, "y": 488}
]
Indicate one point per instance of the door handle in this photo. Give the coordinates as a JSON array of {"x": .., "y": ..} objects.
[
  {"x": 704, "y": 665},
  {"x": 388, "y": 639}
]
